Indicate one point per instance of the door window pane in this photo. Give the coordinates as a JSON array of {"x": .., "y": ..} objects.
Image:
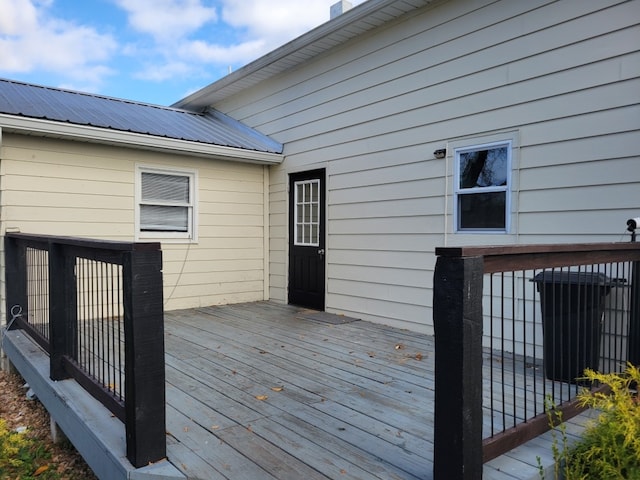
[{"x": 307, "y": 206}]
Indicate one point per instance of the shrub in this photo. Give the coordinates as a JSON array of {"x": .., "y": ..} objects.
[
  {"x": 22, "y": 457},
  {"x": 609, "y": 447},
  {"x": 12, "y": 447}
]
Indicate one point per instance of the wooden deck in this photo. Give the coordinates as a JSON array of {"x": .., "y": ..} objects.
[
  {"x": 268, "y": 391},
  {"x": 265, "y": 391}
]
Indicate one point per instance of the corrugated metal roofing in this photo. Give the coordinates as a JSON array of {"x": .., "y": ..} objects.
[{"x": 210, "y": 127}]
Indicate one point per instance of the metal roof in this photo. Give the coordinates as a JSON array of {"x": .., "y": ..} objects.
[
  {"x": 353, "y": 23},
  {"x": 210, "y": 127}
]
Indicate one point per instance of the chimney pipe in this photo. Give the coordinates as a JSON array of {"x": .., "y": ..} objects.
[{"x": 339, "y": 8}]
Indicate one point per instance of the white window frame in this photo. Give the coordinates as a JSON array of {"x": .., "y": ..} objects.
[
  {"x": 191, "y": 235},
  {"x": 457, "y": 191},
  {"x": 306, "y": 221}
]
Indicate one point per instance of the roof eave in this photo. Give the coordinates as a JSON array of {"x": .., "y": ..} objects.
[
  {"x": 48, "y": 128},
  {"x": 251, "y": 73}
]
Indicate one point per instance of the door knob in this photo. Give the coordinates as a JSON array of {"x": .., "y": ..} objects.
[{"x": 321, "y": 251}]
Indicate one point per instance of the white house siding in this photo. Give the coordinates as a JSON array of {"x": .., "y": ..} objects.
[
  {"x": 561, "y": 79},
  {"x": 58, "y": 187}
]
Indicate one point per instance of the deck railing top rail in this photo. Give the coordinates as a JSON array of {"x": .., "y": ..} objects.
[
  {"x": 114, "y": 245},
  {"x": 504, "y": 258}
]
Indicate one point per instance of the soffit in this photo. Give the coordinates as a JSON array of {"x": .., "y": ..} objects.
[{"x": 360, "y": 19}]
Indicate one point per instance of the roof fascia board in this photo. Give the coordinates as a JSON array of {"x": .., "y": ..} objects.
[
  {"x": 201, "y": 98},
  {"x": 135, "y": 140}
]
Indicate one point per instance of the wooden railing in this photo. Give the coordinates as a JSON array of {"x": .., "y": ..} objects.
[
  {"x": 96, "y": 307},
  {"x": 515, "y": 327}
]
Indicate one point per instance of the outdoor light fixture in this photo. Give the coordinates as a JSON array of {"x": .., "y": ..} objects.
[
  {"x": 632, "y": 224},
  {"x": 440, "y": 153}
]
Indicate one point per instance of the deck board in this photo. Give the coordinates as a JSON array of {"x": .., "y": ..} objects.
[
  {"x": 262, "y": 391},
  {"x": 294, "y": 397}
]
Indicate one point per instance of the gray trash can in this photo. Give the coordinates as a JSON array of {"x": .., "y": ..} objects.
[{"x": 572, "y": 305}]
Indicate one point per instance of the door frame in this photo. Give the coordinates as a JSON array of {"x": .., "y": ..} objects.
[{"x": 293, "y": 178}]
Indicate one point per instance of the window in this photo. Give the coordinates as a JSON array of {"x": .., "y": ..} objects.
[
  {"x": 307, "y": 213},
  {"x": 166, "y": 203},
  {"x": 482, "y": 178}
]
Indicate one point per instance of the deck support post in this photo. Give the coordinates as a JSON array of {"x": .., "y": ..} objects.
[
  {"x": 144, "y": 357},
  {"x": 457, "y": 316},
  {"x": 57, "y": 435}
]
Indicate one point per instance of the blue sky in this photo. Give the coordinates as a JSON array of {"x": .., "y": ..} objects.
[{"x": 155, "y": 51}]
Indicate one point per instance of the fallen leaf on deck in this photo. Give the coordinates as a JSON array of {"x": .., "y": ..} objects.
[
  {"x": 399, "y": 346},
  {"x": 277, "y": 389},
  {"x": 262, "y": 398},
  {"x": 418, "y": 356},
  {"x": 215, "y": 427}
]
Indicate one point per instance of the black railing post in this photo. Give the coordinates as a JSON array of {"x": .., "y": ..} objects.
[
  {"x": 15, "y": 279},
  {"x": 634, "y": 314},
  {"x": 457, "y": 316},
  {"x": 62, "y": 310},
  {"x": 144, "y": 356}
]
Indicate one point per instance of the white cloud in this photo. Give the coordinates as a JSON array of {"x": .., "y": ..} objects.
[
  {"x": 203, "y": 52},
  {"x": 261, "y": 26},
  {"x": 16, "y": 16},
  {"x": 275, "y": 21},
  {"x": 167, "y": 19},
  {"x": 168, "y": 42},
  {"x": 31, "y": 40},
  {"x": 245, "y": 30},
  {"x": 159, "y": 72},
  {"x": 188, "y": 37}
]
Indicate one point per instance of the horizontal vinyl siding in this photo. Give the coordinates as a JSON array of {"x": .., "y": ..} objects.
[
  {"x": 562, "y": 78},
  {"x": 278, "y": 248},
  {"x": 75, "y": 189},
  {"x": 60, "y": 188}
]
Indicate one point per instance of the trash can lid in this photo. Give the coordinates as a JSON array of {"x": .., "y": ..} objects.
[{"x": 572, "y": 278}]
